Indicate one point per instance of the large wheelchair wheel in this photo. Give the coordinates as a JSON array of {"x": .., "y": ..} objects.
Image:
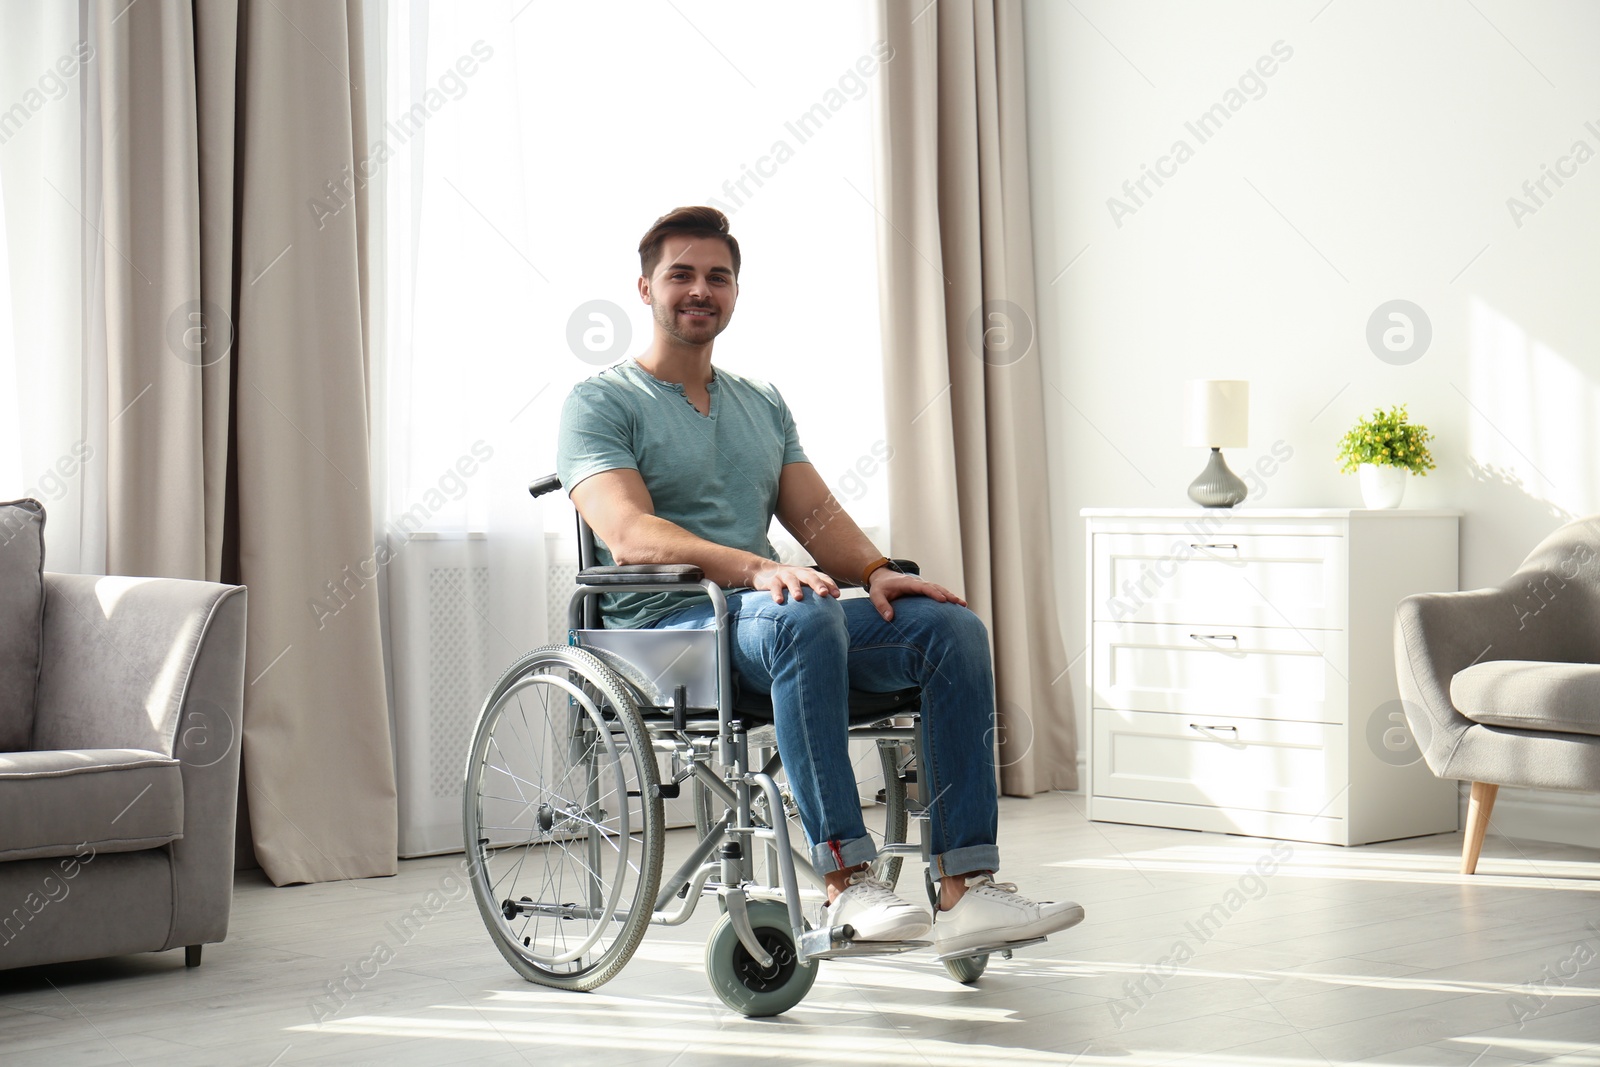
[
  {"x": 562, "y": 819},
  {"x": 740, "y": 982},
  {"x": 880, "y": 778}
]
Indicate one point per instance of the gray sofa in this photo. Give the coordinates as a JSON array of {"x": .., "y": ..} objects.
[
  {"x": 1502, "y": 686},
  {"x": 120, "y": 720}
]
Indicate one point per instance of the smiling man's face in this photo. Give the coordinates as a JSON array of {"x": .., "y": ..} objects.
[{"x": 693, "y": 290}]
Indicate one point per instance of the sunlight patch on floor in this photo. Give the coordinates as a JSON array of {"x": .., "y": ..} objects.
[
  {"x": 1354, "y": 865},
  {"x": 677, "y": 1009},
  {"x": 748, "y": 1045}
]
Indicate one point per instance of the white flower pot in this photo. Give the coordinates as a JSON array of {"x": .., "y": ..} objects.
[{"x": 1382, "y": 486}]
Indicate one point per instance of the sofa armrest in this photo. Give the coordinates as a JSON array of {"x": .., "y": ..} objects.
[
  {"x": 157, "y": 663},
  {"x": 117, "y": 659}
]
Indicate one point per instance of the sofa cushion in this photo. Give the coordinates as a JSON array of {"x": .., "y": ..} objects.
[
  {"x": 53, "y": 803},
  {"x": 1530, "y": 695},
  {"x": 21, "y": 618}
]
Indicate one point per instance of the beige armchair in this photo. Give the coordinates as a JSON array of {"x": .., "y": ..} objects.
[
  {"x": 1502, "y": 685},
  {"x": 120, "y": 720}
]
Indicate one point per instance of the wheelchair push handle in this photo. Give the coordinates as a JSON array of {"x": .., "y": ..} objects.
[{"x": 540, "y": 486}]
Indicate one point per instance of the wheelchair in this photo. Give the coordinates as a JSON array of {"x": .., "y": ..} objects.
[{"x": 574, "y": 753}]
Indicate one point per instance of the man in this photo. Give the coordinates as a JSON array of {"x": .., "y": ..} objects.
[{"x": 671, "y": 460}]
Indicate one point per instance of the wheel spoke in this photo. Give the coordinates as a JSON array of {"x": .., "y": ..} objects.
[{"x": 522, "y": 717}]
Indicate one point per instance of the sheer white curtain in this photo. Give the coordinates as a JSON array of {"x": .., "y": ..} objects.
[
  {"x": 465, "y": 573},
  {"x": 520, "y": 152},
  {"x": 52, "y": 394}
]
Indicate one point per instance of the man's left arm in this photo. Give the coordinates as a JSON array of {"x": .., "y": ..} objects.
[{"x": 815, "y": 518}]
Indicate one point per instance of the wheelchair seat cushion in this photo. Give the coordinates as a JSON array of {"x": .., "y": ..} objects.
[{"x": 865, "y": 707}]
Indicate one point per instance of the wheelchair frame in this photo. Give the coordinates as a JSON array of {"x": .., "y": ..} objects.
[{"x": 761, "y": 955}]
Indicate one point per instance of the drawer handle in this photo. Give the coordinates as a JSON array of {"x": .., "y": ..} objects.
[
  {"x": 1212, "y": 729},
  {"x": 1214, "y": 637},
  {"x": 1234, "y": 547}
]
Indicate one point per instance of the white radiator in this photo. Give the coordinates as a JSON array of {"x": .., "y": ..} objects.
[
  {"x": 460, "y": 612},
  {"x": 562, "y": 574}
]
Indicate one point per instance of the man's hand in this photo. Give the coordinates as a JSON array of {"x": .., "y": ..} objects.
[
  {"x": 884, "y": 585},
  {"x": 782, "y": 580}
]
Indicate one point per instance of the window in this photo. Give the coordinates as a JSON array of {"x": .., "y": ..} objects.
[{"x": 525, "y": 149}]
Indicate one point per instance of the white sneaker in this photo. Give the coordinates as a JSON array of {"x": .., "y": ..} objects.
[
  {"x": 992, "y": 913},
  {"x": 869, "y": 905}
]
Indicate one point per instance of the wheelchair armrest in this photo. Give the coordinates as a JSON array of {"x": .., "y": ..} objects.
[
  {"x": 678, "y": 574},
  {"x": 637, "y": 573}
]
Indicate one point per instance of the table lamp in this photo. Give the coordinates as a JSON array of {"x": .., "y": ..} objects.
[{"x": 1216, "y": 415}]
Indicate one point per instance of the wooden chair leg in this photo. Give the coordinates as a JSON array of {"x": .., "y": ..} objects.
[
  {"x": 1478, "y": 809},
  {"x": 191, "y": 955}
]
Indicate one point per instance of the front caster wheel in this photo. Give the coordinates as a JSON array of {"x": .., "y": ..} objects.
[
  {"x": 744, "y": 985},
  {"x": 967, "y": 969}
]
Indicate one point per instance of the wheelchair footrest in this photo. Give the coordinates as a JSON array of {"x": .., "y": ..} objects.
[
  {"x": 818, "y": 945},
  {"x": 1003, "y": 948}
]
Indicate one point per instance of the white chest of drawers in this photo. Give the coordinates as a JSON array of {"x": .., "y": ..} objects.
[{"x": 1241, "y": 671}]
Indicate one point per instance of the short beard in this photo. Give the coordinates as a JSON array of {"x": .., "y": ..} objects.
[{"x": 667, "y": 319}]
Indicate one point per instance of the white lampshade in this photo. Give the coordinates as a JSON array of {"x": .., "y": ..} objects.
[{"x": 1216, "y": 414}]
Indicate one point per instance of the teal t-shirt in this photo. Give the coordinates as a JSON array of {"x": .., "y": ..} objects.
[{"x": 715, "y": 475}]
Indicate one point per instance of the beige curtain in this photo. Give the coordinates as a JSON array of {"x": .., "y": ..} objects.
[
  {"x": 963, "y": 383},
  {"x": 167, "y": 381},
  {"x": 238, "y": 395}
]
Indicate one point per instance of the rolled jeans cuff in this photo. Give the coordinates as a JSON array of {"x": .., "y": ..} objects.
[
  {"x": 856, "y": 851},
  {"x": 967, "y": 860}
]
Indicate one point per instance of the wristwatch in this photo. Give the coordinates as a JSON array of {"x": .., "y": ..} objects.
[{"x": 881, "y": 561}]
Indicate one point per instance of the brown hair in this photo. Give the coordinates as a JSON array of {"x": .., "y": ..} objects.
[{"x": 685, "y": 222}]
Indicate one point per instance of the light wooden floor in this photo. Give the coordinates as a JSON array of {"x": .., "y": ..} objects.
[{"x": 1379, "y": 954}]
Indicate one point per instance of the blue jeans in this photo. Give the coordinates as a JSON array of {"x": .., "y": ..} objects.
[{"x": 809, "y": 653}]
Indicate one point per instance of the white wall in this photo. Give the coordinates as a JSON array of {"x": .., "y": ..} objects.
[{"x": 1376, "y": 164}]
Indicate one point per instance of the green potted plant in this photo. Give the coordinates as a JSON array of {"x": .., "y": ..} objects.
[{"x": 1382, "y": 449}]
